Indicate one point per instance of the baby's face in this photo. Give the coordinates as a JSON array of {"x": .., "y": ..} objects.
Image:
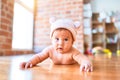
[{"x": 62, "y": 40}]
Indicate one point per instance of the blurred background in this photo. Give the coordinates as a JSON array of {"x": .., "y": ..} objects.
[{"x": 25, "y": 28}]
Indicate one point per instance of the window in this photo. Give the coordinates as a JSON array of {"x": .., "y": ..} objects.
[{"x": 23, "y": 22}]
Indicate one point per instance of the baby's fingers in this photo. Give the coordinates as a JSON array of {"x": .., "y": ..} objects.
[
  {"x": 86, "y": 68},
  {"x": 82, "y": 67},
  {"x": 91, "y": 68},
  {"x": 22, "y": 65},
  {"x": 28, "y": 65}
]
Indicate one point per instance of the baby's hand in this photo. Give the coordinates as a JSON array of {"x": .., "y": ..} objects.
[
  {"x": 86, "y": 66},
  {"x": 25, "y": 65}
]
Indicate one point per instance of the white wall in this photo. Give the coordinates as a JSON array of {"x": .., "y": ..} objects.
[{"x": 105, "y": 5}]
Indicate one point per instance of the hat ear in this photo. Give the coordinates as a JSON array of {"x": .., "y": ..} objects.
[
  {"x": 52, "y": 20},
  {"x": 77, "y": 24}
]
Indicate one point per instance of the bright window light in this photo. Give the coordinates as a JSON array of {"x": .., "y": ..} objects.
[{"x": 22, "y": 28}]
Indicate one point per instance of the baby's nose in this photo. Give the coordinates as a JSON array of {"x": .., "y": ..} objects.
[{"x": 60, "y": 42}]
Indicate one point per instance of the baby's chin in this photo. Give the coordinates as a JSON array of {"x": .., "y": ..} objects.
[
  {"x": 62, "y": 51},
  {"x": 59, "y": 51}
]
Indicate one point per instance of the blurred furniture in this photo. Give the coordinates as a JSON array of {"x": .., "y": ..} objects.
[{"x": 104, "y": 33}]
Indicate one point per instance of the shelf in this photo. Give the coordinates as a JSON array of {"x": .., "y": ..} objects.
[
  {"x": 103, "y": 34},
  {"x": 97, "y": 25},
  {"x": 97, "y": 22},
  {"x": 110, "y": 28},
  {"x": 112, "y": 43},
  {"x": 95, "y": 16},
  {"x": 98, "y": 44},
  {"x": 98, "y": 33},
  {"x": 111, "y": 33},
  {"x": 112, "y": 46}
]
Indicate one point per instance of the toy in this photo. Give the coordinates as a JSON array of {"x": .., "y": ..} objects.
[
  {"x": 107, "y": 51},
  {"x": 97, "y": 50},
  {"x": 118, "y": 52}
]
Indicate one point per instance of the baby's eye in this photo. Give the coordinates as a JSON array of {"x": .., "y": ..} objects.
[
  {"x": 56, "y": 39},
  {"x": 66, "y": 39}
]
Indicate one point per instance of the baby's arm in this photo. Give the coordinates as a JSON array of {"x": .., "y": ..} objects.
[
  {"x": 37, "y": 58},
  {"x": 85, "y": 63}
]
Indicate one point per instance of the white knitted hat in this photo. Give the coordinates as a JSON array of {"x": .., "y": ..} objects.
[{"x": 64, "y": 23}]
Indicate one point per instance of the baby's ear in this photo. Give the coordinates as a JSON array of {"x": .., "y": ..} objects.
[
  {"x": 77, "y": 24},
  {"x": 52, "y": 20}
]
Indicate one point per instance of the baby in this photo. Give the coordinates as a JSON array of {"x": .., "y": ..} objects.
[{"x": 63, "y": 34}]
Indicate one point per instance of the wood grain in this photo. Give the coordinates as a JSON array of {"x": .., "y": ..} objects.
[{"x": 105, "y": 68}]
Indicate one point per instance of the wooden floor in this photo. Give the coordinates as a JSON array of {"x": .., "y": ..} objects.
[{"x": 105, "y": 68}]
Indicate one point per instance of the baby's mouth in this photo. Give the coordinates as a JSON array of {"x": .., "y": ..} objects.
[{"x": 59, "y": 48}]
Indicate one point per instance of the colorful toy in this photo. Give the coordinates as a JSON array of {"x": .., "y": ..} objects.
[
  {"x": 97, "y": 50},
  {"x": 107, "y": 51},
  {"x": 118, "y": 52}
]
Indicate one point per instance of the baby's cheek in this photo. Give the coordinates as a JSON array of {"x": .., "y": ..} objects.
[{"x": 68, "y": 46}]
